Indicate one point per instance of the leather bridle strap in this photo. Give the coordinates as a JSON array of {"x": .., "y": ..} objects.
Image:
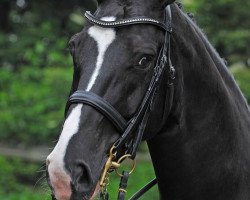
[
  {"x": 141, "y": 117},
  {"x": 140, "y": 120},
  {"x": 127, "y": 22},
  {"x": 99, "y": 104},
  {"x": 143, "y": 190}
]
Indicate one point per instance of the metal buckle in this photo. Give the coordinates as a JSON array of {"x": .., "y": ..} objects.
[
  {"x": 109, "y": 164},
  {"x": 172, "y": 72},
  {"x": 112, "y": 165},
  {"x": 121, "y": 160}
]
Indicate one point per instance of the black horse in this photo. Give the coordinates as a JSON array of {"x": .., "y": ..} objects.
[{"x": 199, "y": 139}]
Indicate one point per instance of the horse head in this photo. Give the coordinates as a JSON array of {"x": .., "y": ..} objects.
[{"x": 116, "y": 64}]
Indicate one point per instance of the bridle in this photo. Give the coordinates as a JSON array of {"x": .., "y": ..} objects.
[{"x": 131, "y": 131}]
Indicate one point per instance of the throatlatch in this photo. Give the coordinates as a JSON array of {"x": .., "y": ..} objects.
[{"x": 133, "y": 130}]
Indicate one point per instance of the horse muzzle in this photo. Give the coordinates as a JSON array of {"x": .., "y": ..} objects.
[{"x": 79, "y": 185}]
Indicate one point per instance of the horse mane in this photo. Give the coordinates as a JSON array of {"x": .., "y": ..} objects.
[
  {"x": 190, "y": 15},
  {"x": 219, "y": 62}
]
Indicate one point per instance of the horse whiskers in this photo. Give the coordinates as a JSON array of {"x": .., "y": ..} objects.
[
  {"x": 39, "y": 180},
  {"x": 43, "y": 170},
  {"x": 55, "y": 141},
  {"x": 45, "y": 190},
  {"x": 45, "y": 187}
]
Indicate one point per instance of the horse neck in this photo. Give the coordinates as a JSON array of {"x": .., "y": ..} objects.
[{"x": 203, "y": 151}]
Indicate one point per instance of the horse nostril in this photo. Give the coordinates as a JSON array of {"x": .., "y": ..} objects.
[
  {"x": 82, "y": 178},
  {"x": 47, "y": 162}
]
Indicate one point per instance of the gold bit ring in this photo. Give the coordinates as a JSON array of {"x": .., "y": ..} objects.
[{"x": 123, "y": 158}]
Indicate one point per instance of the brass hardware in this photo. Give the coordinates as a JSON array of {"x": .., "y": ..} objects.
[
  {"x": 122, "y": 190},
  {"x": 123, "y": 158},
  {"x": 109, "y": 164}
]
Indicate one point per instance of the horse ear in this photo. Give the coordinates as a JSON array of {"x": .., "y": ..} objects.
[{"x": 167, "y": 2}]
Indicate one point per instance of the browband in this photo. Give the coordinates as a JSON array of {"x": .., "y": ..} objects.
[{"x": 125, "y": 22}]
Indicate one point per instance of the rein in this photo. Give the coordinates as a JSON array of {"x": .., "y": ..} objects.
[{"x": 131, "y": 131}]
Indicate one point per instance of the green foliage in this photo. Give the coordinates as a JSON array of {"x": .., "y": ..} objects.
[
  {"x": 32, "y": 103},
  {"x": 243, "y": 79},
  {"x": 226, "y": 24},
  {"x": 36, "y": 47},
  {"x": 26, "y": 193},
  {"x": 14, "y": 174},
  {"x": 39, "y": 34}
]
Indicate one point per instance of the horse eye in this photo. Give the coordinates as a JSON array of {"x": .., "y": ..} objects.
[{"x": 144, "y": 60}]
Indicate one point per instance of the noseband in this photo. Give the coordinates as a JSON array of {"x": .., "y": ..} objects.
[{"x": 131, "y": 131}]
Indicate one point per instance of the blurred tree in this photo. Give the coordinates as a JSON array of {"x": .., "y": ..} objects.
[
  {"x": 227, "y": 25},
  {"x": 60, "y": 9},
  {"x": 31, "y": 30},
  {"x": 4, "y": 15},
  {"x": 46, "y": 9}
]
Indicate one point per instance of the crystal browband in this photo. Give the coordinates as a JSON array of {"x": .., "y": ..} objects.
[{"x": 124, "y": 22}]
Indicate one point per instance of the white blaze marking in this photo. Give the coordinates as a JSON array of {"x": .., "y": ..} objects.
[
  {"x": 56, "y": 157},
  {"x": 103, "y": 37}
]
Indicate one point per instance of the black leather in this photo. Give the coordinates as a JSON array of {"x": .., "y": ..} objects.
[
  {"x": 123, "y": 185},
  {"x": 127, "y": 22},
  {"x": 99, "y": 104},
  {"x": 143, "y": 190},
  {"x": 145, "y": 105}
]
